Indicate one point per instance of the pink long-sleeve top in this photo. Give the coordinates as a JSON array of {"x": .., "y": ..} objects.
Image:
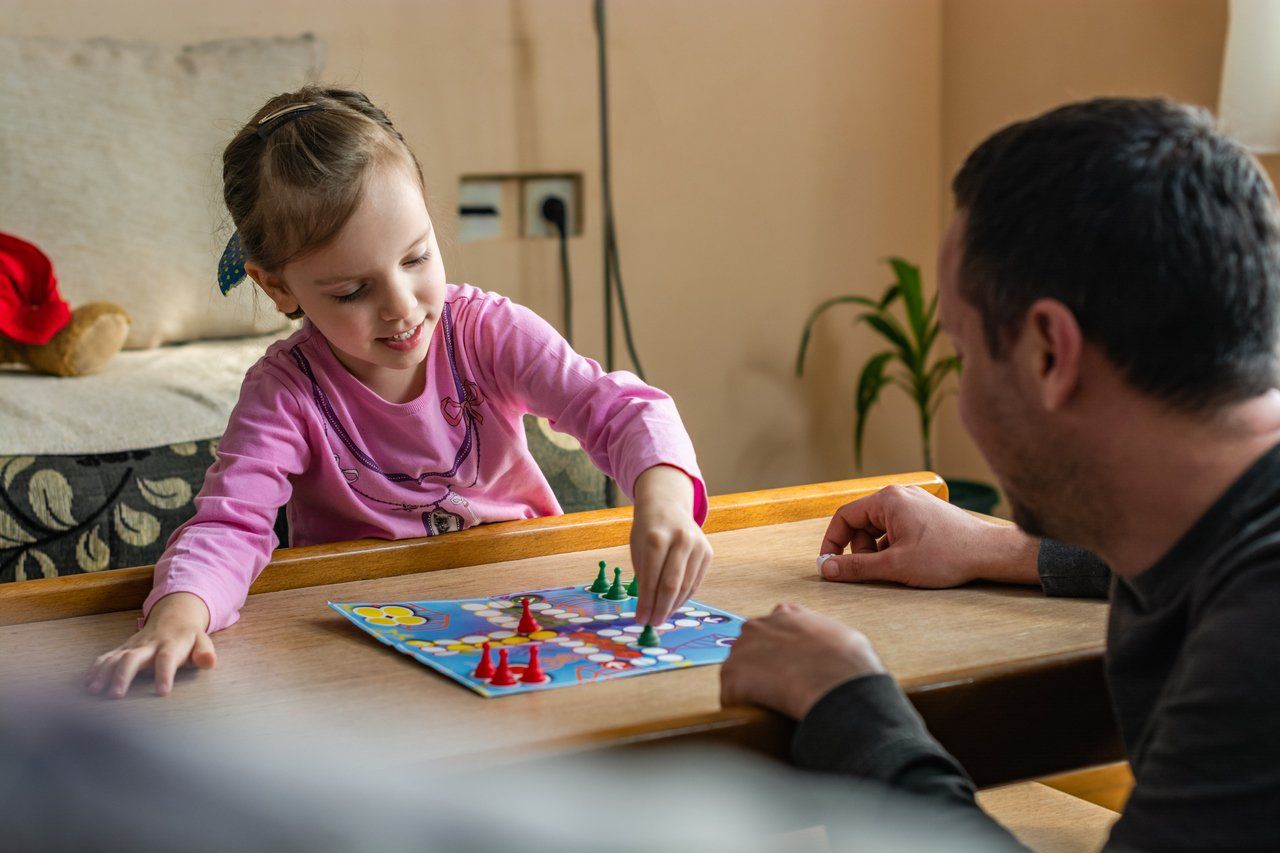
[{"x": 349, "y": 465}]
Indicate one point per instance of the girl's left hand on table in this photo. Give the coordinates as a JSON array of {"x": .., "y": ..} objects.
[{"x": 669, "y": 551}]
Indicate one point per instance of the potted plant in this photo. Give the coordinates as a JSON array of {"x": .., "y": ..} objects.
[{"x": 908, "y": 363}]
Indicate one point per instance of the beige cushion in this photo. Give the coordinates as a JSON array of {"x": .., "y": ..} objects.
[
  {"x": 175, "y": 394},
  {"x": 111, "y": 162}
]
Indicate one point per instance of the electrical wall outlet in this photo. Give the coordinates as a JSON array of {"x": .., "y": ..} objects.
[
  {"x": 482, "y": 203},
  {"x": 535, "y": 189}
]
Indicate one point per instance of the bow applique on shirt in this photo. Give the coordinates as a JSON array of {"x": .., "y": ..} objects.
[{"x": 454, "y": 410}]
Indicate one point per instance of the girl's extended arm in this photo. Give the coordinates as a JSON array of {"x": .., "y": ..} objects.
[
  {"x": 174, "y": 634},
  {"x": 631, "y": 430},
  {"x": 210, "y": 561}
]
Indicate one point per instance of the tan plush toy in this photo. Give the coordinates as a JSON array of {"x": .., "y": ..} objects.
[{"x": 39, "y": 329}]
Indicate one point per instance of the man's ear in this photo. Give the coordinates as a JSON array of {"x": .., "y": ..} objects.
[
  {"x": 274, "y": 286},
  {"x": 1052, "y": 346}
]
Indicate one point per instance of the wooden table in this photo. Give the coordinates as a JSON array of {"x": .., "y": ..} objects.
[{"x": 1008, "y": 679}]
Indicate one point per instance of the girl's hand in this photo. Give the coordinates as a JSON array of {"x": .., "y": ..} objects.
[
  {"x": 174, "y": 634},
  {"x": 669, "y": 551}
]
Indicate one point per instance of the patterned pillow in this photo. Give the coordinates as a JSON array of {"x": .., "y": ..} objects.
[
  {"x": 65, "y": 515},
  {"x": 578, "y": 483}
]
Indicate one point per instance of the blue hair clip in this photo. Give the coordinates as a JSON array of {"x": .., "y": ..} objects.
[{"x": 231, "y": 266}]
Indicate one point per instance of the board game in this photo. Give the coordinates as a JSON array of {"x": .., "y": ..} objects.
[{"x": 545, "y": 638}]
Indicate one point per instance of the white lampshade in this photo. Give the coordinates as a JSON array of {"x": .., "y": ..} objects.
[{"x": 1249, "y": 101}]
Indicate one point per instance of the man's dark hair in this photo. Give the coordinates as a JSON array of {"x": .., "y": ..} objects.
[{"x": 1158, "y": 232}]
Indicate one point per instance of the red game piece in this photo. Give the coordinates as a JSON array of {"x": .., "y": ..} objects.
[
  {"x": 485, "y": 669},
  {"x": 503, "y": 677},
  {"x": 533, "y": 673},
  {"x": 527, "y": 623}
]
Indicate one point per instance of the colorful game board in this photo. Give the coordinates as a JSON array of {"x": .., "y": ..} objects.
[{"x": 580, "y": 636}]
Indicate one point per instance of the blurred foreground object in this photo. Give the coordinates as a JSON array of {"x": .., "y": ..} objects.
[{"x": 69, "y": 781}]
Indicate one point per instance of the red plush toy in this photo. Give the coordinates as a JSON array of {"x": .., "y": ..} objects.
[{"x": 39, "y": 329}]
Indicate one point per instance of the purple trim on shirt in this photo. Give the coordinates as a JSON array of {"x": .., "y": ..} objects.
[{"x": 470, "y": 438}]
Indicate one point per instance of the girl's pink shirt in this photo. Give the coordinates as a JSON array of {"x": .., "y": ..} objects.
[{"x": 307, "y": 433}]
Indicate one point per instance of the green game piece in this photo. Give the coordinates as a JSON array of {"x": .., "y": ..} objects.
[
  {"x": 648, "y": 637},
  {"x": 617, "y": 592},
  {"x": 602, "y": 582},
  {"x": 633, "y": 588}
]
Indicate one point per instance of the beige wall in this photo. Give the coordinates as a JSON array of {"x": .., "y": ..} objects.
[
  {"x": 766, "y": 155},
  {"x": 1008, "y": 59}
]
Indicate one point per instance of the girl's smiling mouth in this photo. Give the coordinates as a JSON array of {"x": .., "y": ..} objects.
[{"x": 405, "y": 340}]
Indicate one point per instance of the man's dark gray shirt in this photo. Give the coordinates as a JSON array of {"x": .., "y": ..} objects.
[{"x": 1193, "y": 663}]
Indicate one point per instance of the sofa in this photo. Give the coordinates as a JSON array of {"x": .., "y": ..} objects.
[{"x": 110, "y": 163}]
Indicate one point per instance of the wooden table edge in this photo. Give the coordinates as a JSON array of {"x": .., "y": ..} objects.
[
  {"x": 994, "y": 719},
  {"x": 119, "y": 590}
]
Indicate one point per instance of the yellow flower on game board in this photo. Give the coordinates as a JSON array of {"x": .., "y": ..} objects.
[{"x": 389, "y": 615}]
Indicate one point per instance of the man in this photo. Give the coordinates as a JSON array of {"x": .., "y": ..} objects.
[{"x": 1112, "y": 281}]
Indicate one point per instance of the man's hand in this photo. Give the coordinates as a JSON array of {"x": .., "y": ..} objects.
[
  {"x": 906, "y": 535},
  {"x": 791, "y": 658}
]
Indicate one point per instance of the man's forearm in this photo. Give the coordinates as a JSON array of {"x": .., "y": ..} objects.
[
  {"x": 867, "y": 729},
  {"x": 1007, "y": 555}
]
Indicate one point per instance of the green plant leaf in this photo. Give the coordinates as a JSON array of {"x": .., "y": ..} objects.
[
  {"x": 912, "y": 294},
  {"x": 908, "y": 387},
  {"x": 893, "y": 331},
  {"x": 890, "y": 296},
  {"x": 932, "y": 311},
  {"x": 937, "y": 404},
  {"x": 870, "y": 383},
  {"x": 940, "y": 370},
  {"x": 931, "y": 330},
  {"x": 818, "y": 312},
  {"x": 912, "y": 343},
  {"x": 930, "y": 337}
]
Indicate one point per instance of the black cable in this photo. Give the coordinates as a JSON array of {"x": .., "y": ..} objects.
[
  {"x": 606, "y": 190},
  {"x": 612, "y": 262},
  {"x": 554, "y": 211},
  {"x": 622, "y": 301}
]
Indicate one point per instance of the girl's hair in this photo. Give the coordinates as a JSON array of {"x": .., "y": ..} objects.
[{"x": 290, "y": 185}]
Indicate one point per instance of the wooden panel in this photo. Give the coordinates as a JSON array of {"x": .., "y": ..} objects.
[
  {"x": 1108, "y": 786},
  {"x": 1022, "y": 718},
  {"x": 993, "y": 719},
  {"x": 291, "y": 568},
  {"x": 290, "y": 655},
  {"x": 1046, "y": 820}
]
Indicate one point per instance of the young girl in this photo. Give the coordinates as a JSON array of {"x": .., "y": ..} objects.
[{"x": 396, "y": 410}]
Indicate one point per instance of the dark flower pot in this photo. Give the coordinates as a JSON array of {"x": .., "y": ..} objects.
[{"x": 973, "y": 495}]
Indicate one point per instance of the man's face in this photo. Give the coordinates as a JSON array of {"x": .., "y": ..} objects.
[{"x": 994, "y": 404}]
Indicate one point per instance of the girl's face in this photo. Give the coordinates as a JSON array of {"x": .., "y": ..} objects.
[{"x": 377, "y": 289}]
